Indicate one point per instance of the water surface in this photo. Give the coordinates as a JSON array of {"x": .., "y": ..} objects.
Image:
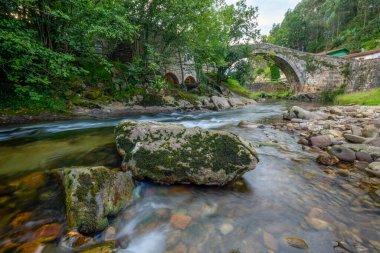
[{"x": 287, "y": 195}]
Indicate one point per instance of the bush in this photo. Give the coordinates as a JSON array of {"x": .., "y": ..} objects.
[{"x": 330, "y": 95}]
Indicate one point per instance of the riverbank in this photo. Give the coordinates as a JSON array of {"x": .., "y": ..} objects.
[
  {"x": 168, "y": 104},
  {"x": 346, "y": 139}
]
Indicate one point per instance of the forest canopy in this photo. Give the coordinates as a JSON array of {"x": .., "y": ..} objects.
[
  {"x": 51, "y": 49},
  {"x": 319, "y": 25}
]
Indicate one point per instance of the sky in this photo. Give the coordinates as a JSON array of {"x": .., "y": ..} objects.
[{"x": 270, "y": 11}]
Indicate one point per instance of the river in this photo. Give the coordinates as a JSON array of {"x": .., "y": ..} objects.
[{"x": 287, "y": 195}]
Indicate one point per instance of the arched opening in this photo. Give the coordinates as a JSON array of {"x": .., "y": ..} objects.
[
  {"x": 292, "y": 74},
  {"x": 170, "y": 78},
  {"x": 190, "y": 82}
]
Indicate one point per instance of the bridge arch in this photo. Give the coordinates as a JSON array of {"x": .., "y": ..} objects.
[
  {"x": 190, "y": 82},
  {"x": 171, "y": 78},
  {"x": 292, "y": 72}
]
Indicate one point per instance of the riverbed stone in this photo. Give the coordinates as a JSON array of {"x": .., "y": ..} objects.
[
  {"x": 343, "y": 154},
  {"x": 354, "y": 138},
  {"x": 300, "y": 113},
  {"x": 180, "y": 221},
  {"x": 296, "y": 242},
  {"x": 93, "y": 194},
  {"x": 376, "y": 123},
  {"x": 370, "y": 131},
  {"x": 374, "y": 142},
  {"x": 371, "y": 150},
  {"x": 326, "y": 159},
  {"x": 221, "y": 103},
  {"x": 236, "y": 102},
  {"x": 363, "y": 156},
  {"x": 169, "y": 154},
  {"x": 356, "y": 130},
  {"x": 321, "y": 141},
  {"x": 374, "y": 169},
  {"x": 48, "y": 232}
]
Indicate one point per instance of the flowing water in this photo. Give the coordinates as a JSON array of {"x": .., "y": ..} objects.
[{"x": 287, "y": 195}]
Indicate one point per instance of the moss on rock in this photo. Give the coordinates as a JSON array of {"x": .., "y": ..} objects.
[
  {"x": 170, "y": 154},
  {"x": 93, "y": 194}
]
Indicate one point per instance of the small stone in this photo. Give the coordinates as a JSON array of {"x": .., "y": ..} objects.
[
  {"x": 374, "y": 169},
  {"x": 48, "y": 232},
  {"x": 226, "y": 228},
  {"x": 34, "y": 180},
  {"x": 363, "y": 156},
  {"x": 326, "y": 159},
  {"x": 110, "y": 234},
  {"x": 356, "y": 130},
  {"x": 247, "y": 124},
  {"x": 343, "y": 154},
  {"x": 21, "y": 219},
  {"x": 374, "y": 142},
  {"x": 370, "y": 131},
  {"x": 361, "y": 165},
  {"x": 354, "y": 138},
  {"x": 180, "y": 221},
  {"x": 270, "y": 241},
  {"x": 320, "y": 141},
  {"x": 163, "y": 213},
  {"x": 76, "y": 241},
  {"x": 317, "y": 223},
  {"x": 30, "y": 247},
  {"x": 304, "y": 142},
  {"x": 296, "y": 242},
  {"x": 343, "y": 172},
  {"x": 336, "y": 111},
  {"x": 376, "y": 123}
]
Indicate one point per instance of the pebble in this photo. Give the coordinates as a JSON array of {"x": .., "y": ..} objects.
[
  {"x": 48, "y": 232},
  {"x": 226, "y": 228},
  {"x": 296, "y": 242},
  {"x": 180, "y": 221}
]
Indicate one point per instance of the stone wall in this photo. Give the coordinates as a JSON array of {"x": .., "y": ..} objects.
[
  {"x": 364, "y": 75},
  {"x": 310, "y": 73},
  {"x": 267, "y": 87}
]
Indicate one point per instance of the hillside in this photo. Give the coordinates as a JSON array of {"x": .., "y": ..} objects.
[{"x": 318, "y": 25}]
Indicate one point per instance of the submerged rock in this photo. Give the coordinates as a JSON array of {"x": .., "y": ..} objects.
[
  {"x": 296, "y": 242},
  {"x": 169, "y": 154},
  {"x": 93, "y": 194}
]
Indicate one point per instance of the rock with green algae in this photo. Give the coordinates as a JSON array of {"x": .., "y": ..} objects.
[
  {"x": 93, "y": 194},
  {"x": 169, "y": 154}
]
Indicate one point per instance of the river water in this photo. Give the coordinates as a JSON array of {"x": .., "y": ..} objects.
[{"x": 287, "y": 195}]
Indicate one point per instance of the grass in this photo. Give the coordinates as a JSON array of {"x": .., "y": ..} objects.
[
  {"x": 371, "y": 97},
  {"x": 234, "y": 86}
]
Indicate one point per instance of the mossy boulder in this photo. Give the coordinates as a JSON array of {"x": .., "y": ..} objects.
[
  {"x": 93, "y": 194},
  {"x": 169, "y": 154}
]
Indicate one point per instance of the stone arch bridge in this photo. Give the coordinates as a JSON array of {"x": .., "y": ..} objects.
[{"x": 311, "y": 73}]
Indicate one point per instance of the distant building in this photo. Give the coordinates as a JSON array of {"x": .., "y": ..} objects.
[
  {"x": 367, "y": 55},
  {"x": 341, "y": 52}
]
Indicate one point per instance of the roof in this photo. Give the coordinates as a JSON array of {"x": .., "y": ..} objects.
[
  {"x": 332, "y": 51},
  {"x": 363, "y": 53}
]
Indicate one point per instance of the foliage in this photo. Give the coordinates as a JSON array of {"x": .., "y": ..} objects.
[
  {"x": 318, "y": 25},
  {"x": 57, "y": 53},
  {"x": 371, "y": 97},
  {"x": 235, "y": 86},
  {"x": 330, "y": 95}
]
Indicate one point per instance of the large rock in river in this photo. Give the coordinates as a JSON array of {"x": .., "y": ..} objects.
[
  {"x": 169, "y": 154},
  {"x": 299, "y": 113},
  {"x": 93, "y": 194}
]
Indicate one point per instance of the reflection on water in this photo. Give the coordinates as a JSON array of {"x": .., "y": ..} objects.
[{"x": 287, "y": 195}]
